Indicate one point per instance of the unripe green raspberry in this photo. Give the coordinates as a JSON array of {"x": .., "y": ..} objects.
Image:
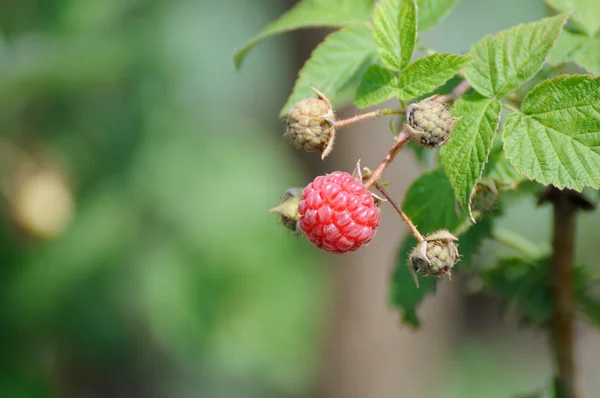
[
  {"x": 435, "y": 256},
  {"x": 430, "y": 123},
  {"x": 311, "y": 124},
  {"x": 483, "y": 197},
  {"x": 288, "y": 209}
]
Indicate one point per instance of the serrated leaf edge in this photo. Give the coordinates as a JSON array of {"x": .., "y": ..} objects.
[
  {"x": 401, "y": 90},
  {"x": 489, "y": 37},
  {"x": 283, "y": 114},
  {"x": 549, "y": 81},
  {"x": 485, "y": 162},
  {"x": 575, "y": 187},
  {"x": 579, "y": 187}
]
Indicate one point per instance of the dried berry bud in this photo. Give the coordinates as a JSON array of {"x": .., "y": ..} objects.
[
  {"x": 288, "y": 209},
  {"x": 483, "y": 197},
  {"x": 430, "y": 123},
  {"x": 435, "y": 256},
  {"x": 311, "y": 124}
]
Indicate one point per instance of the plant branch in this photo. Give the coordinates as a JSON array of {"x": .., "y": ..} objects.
[
  {"x": 458, "y": 91},
  {"x": 566, "y": 203},
  {"x": 411, "y": 226},
  {"x": 517, "y": 242},
  {"x": 368, "y": 115},
  {"x": 375, "y": 176},
  {"x": 510, "y": 107},
  {"x": 562, "y": 326}
]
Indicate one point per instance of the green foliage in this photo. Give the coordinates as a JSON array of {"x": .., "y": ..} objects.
[
  {"x": 430, "y": 12},
  {"x": 335, "y": 66},
  {"x": 421, "y": 77},
  {"x": 525, "y": 284},
  {"x": 465, "y": 155},
  {"x": 583, "y": 48},
  {"x": 585, "y": 13},
  {"x": 395, "y": 31},
  {"x": 378, "y": 84},
  {"x": 311, "y": 14},
  {"x": 586, "y": 294},
  {"x": 424, "y": 75},
  {"x": 565, "y": 47},
  {"x": 578, "y": 48},
  {"x": 422, "y": 204},
  {"x": 403, "y": 292},
  {"x": 500, "y": 170},
  {"x": 556, "y": 138},
  {"x": 429, "y": 202},
  {"x": 505, "y": 61},
  {"x": 522, "y": 284},
  {"x": 588, "y": 56}
]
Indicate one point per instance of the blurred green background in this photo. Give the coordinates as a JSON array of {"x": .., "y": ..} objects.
[{"x": 137, "y": 257}]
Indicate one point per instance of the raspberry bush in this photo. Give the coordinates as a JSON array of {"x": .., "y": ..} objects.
[{"x": 516, "y": 115}]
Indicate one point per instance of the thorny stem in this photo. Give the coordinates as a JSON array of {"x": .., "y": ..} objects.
[
  {"x": 368, "y": 115},
  {"x": 562, "y": 326},
  {"x": 517, "y": 242},
  {"x": 375, "y": 176},
  {"x": 411, "y": 226}
]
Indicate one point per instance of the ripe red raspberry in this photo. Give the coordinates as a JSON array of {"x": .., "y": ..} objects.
[{"x": 337, "y": 213}]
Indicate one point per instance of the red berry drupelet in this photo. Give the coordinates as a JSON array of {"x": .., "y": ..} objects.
[{"x": 337, "y": 213}]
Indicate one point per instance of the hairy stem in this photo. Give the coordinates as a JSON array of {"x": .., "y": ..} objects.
[
  {"x": 562, "y": 325},
  {"x": 458, "y": 91},
  {"x": 368, "y": 115},
  {"x": 517, "y": 242},
  {"x": 411, "y": 226},
  {"x": 510, "y": 107},
  {"x": 375, "y": 176}
]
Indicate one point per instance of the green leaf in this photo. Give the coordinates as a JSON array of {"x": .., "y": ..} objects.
[
  {"x": 395, "y": 31},
  {"x": 430, "y": 204},
  {"x": 430, "y": 12},
  {"x": 421, "y": 77},
  {"x": 556, "y": 140},
  {"x": 586, "y": 13},
  {"x": 464, "y": 156},
  {"x": 378, "y": 84},
  {"x": 510, "y": 58},
  {"x": 588, "y": 56},
  {"x": 528, "y": 285},
  {"x": 586, "y": 294},
  {"x": 311, "y": 14},
  {"x": 523, "y": 284},
  {"x": 566, "y": 45},
  {"x": 501, "y": 171},
  {"x": 582, "y": 50},
  {"x": 426, "y": 74},
  {"x": 336, "y": 66},
  {"x": 404, "y": 293}
]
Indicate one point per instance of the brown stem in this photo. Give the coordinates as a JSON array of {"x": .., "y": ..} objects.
[
  {"x": 458, "y": 91},
  {"x": 375, "y": 176},
  {"x": 412, "y": 226},
  {"x": 562, "y": 326},
  {"x": 368, "y": 115}
]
